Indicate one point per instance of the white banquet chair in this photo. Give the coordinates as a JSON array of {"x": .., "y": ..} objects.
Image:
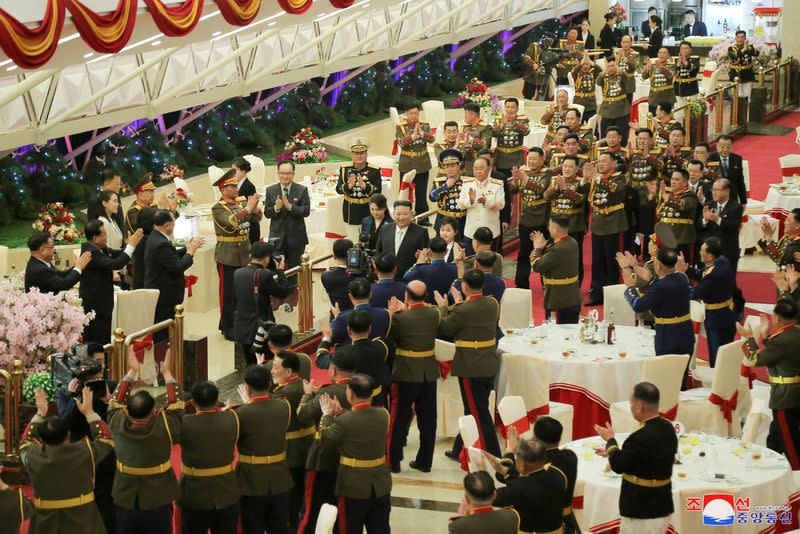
[
  {"x": 335, "y": 226},
  {"x": 448, "y": 394},
  {"x": 257, "y": 173},
  {"x": 529, "y": 378},
  {"x": 214, "y": 174},
  {"x": 408, "y": 178},
  {"x": 757, "y": 423},
  {"x": 511, "y": 410},
  {"x": 789, "y": 165},
  {"x": 666, "y": 373},
  {"x": 468, "y": 429},
  {"x": 135, "y": 311},
  {"x": 326, "y": 519},
  {"x": 516, "y": 308},
  {"x": 434, "y": 115},
  {"x": 394, "y": 115},
  {"x": 698, "y": 413},
  {"x": 614, "y": 299}
]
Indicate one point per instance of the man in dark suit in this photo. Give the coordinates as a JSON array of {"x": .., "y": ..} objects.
[
  {"x": 112, "y": 181},
  {"x": 97, "y": 279},
  {"x": 730, "y": 167},
  {"x": 359, "y": 290},
  {"x": 335, "y": 279},
  {"x": 646, "y": 31},
  {"x": 254, "y": 286},
  {"x": 165, "y": 266},
  {"x": 403, "y": 237},
  {"x": 722, "y": 218},
  {"x": 656, "y": 37},
  {"x": 286, "y": 205},
  {"x": 431, "y": 268},
  {"x": 144, "y": 220},
  {"x": 693, "y": 26},
  {"x": 386, "y": 287},
  {"x": 42, "y": 274},
  {"x": 246, "y": 189}
]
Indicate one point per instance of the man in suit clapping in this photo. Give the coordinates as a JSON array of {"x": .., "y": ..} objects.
[
  {"x": 286, "y": 205},
  {"x": 403, "y": 237},
  {"x": 42, "y": 274}
]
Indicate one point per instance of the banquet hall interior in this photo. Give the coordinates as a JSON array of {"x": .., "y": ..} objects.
[{"x": 173, "y": 98}]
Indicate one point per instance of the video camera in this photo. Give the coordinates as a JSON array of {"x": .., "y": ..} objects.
[
  {"x": 359, "y": 259},
  {"x": 551, "y": 56},
  {"x": 78, "y": 363}
]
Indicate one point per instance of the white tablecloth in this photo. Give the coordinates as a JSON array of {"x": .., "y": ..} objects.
[
  {"x": 766, "y": 482},
  {"x": 597, "y": 370},
  {"x": 781, "y": 203},
  {"x": 535, "y": 137},
  {"x": 750, "y": 232}
]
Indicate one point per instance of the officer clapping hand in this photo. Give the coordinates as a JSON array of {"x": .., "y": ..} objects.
[
  {"x": 458, "y": 298},
  {"x": 396, "y": 305},
  {"x": 166, "y": 366},
  {"x": 539, "y": 240},
  {"x": 792, "y": 274},
  {"x": 440, "y": 299},
  {"x": 779, "y": 277},
  {"x": 681, "y": 266},
  {"x": 628, "y": 278},
  {"x": 133, "y": 365},
  {"x": 41, "y": 403},
  {"x": 330, "y": 405},
  {"x": 134, "y": 238},
  {"x": 335, "y": 310},
  {"x": 252, "y": 203},
  {"x": 767, "y": 229},
  {"x": 309, "y": 387},
  {"x": 85, "y": 402},
  {"x": 327, "y": 332},
  {"x": 194, "y": 244}
]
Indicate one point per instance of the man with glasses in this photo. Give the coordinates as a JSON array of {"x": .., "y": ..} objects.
[
  {"x": 286, "y": 205},
  {"x": 42, "y": 274}
]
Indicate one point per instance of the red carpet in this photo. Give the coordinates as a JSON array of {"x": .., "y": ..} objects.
[
  {"x": 762, "y": 153},
  {"x": 757, "y": 287}
]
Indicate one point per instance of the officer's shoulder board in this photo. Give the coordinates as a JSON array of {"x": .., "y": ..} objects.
[
  {"x": 618, "y": 173},
  {"x": 402, "y": 123},
  {"x": 522, "y": 117},
  {"x": 634, "y": 53},
  {"x": 467, "y": 179},
  {"x": 708, "y": 271},
  {"x": 348, "y": 164},
  {"x": 496, "y": 181},
  {"x": 421, "y": 124},
  {"x": 581, "y": 156},
  {"x": 241, "y": 198},
  {"x": 482, "y": 123},
  {"x": 373, "y": 166},
  {"x": 585, "y": 127}
]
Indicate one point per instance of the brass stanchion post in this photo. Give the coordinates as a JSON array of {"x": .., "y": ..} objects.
[
  {"x": 735, "y": 107},
  {"x": 176, "y": 345},
  {"x": 687, "y": 121},
  {"x": 16, "y": 392},
  {"x": 117, "y": 367},
  {"x": 305, "y": 303},
  {"x": 8, "y": 419},
  {"x": 776, "y": 87},
  {"x": 720, "y": 102}
]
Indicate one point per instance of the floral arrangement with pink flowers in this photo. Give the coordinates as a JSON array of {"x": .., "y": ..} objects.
[
  {"x": 719, "y": 53},
  {"x": 477, "y": 93},
  {"x": 303, "y": 147},
  {"x": 619, "y": 12},
  {"x": 170, "y": 173},
  {"x": 55, "y": 219},
  {"x": 34, "y": 325},
  {"x": 182, "y": 197}
]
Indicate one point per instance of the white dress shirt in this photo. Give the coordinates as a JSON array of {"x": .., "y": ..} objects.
[
  {"x": 399, "y": 234},
  {"x": 487, "y": 214}
]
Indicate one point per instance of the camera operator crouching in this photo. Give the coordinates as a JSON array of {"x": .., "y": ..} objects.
[
  {"x": 254, "y": 287},
  {"x": 71, "y": 372}
]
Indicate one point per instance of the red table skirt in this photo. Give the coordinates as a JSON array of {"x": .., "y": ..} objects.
[{"x": 589, "y": 409}]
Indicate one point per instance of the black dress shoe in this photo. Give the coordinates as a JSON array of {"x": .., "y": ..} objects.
[
  {"x": 413, "y": 465},
  {"x": 453, "y": 456},
  {"x": 593, "y": 302},
  {"x": 395, "y": 468}
]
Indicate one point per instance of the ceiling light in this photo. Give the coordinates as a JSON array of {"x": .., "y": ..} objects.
[
  {"x": 216, "y": 33},
  {"x": 214, "y": 14},
  {"x": 250, "y": 26},
  {"x": 12, "y": 67},
  {"x": 273, "y": 23},
  {"x": 144, "y": 41},
  {"x": 323, "y": 16},
  {"x": 87, "y": 56},
  {"x": 155, "y": 43},
  {"x": 68, "y": 38}
]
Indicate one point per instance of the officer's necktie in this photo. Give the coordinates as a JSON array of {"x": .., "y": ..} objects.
[{"x": 725, "y": 167}]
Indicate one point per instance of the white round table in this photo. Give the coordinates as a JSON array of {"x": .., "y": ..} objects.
[
  {"x": 754, "y": 484},
  {"x": 536, "y": 136},
  {"x": 780, "y": 202},
  {"x": 591, "y": 378}
]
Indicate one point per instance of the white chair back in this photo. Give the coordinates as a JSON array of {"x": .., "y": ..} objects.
[
  {"x": 326, "y": 519},
  {"x": 136, "y": 309},
  {"x": 334, "y": 224},
  {"x": 257, "y": 173},
  {"x": 516, "y": 308},
  {"x": 754, "y": 425},
  {"x": 579, "y": 107},
  {"x": 726, "y": 371},
  {"x": 511, "y": 410},
  {"x": 434, "y": 114},
  {"x": 643, "y": 111},
  {"x": 444, "y": 351},
  {"x": 614, "y": 299},
  {"x": 666, "y": 373},
  {"x": 534, "y": 388},
  {"x": 790, "y": 166},
  {"x": 709, "y": 85},
  {"x": 408, "y": 178},
  {"x": 592, "y": 122},
  {"x": 214, "y": 174},
  {"x": 468, "y": 429},
  {"x": 394, "y": 115},
  {"x": 746, "y": 174},
  {"x": 386, "y": 164},
  {"x": 4, "y": 260}
]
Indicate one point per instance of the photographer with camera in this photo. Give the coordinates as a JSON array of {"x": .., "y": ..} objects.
[
  {"x": 360, "y": 259},
  {"x": 254, "y": 286},
  {"x": 335, "y": 279},
  {"x": 87, "y": 373}
]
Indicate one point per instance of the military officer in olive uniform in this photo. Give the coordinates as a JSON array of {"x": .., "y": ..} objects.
[
  {"x": 232, "y": 219},
  {"x": 678, "y": 209},
  {"x": 687, "y": 67},
  {"x": 15, "y": 508},
  {"x": 742, "y": 55},
  {"x": 144, "y": 191},
  {"x": 661, "y": 76},
  {"x": 570, "y": 147},
  {"x": 557, "y": 262},
  {"x": 628, "y": 61},
  {"x": 644, "y": 168},
  {"x": 299, "y": 437},
  {"x": 607, "y": 200},
  {"x": 471, "y": 323},
  {"x": 566, "y": 195},
  {"x": 415, "y": 325},
  {"x": 574, "y": 48},
  {"x": 475, "y": 135},
  {"x": 572, "y": 118},
  {"x": 779, "y": 356},
  {"x": 786, "y": 250},
  {"x": 413, "y": 138},
  {"x": 477, "y": 514},
  {"x": 554, "y": 114},
  {"x": 532, "y": 76},
  {"x": 510, "y": 131},
  {"x": 209, "y": 486},
  {"x": 663, "y": 123},
  {"x": 615, "y": 109},
  {"x": 645, "y": 462},
  {"x": 450, "y": 142},
  {"x": 676, "y": 156},
  {"x": 447, "y": 188},
  {"x": 585, "y": 74},
  {"x": 530, "y": 181},
  {"x": 264, "y": 478},
  {"x": 145, "y": 485},
  {"x": 364, "y": 483},
  {"x": 62, "y": 473},
  {"x": 358, "y": 181},
  {"x": 323, "y": 461}
]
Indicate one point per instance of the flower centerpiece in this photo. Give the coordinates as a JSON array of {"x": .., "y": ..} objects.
[
  {"x": 719, "y": 53},
  {"x": 619, "y": 12},
  {"x": 39, "y": 380},
  {"x": 34, "y": 325},
  {"x": 125, "y": 189},
  {"x": 182, "y": 197},
  {"x": 303, "y": 147},
  {"x": 697, "y": 108},
  {"x": 55, "y": 219},
  {"x": 477, "y": 93},
  {"x": 169, "y": 173}
]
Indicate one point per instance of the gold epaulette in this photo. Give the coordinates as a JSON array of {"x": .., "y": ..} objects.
[
  {"x": 348, "y": 164},
  {"x": 241, "y": 199},
  {"x": 582, "y": 156},
  {"x": 656, "y": 152},
  {"x": 618, "y": 173},
  {"x": 371, "y": 166},
  {"x": 467, "y": 179},
  {"x": 694, "y": 57},
  {"x": 403, "y": 123},
  {"x": 496, "y": 181},
  {"x": 585, "y": 127},
  {"x": 482, "y": 123}
]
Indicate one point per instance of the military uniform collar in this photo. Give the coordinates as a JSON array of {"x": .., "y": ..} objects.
[
  {"x": 342, "y": 380},
  {"x": 782, "y": 330},
  {"x": 360, "y": 406},
  {"x": 140, "y": 206},
  {"x": 213, "y": 410},
  {"x": 416, "y": 305},
  {"x": 260, "y": 398},
  {"x": 291, "y": 379},
  {"x": 481, "y": 510},
  {"x": 360, "y": 340},
  {"x": 385, "y": 281},
  {"x": 474, "y": 296}
]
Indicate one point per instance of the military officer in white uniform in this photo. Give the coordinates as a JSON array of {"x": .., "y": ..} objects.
[{"x": 483, "y": 198}]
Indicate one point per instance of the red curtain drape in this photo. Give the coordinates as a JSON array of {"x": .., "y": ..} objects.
[
  {"x": 239, "y": 12},
  {"x": 175, "y": 21},
  {"x": 107, "y": 33},
  {"x": 341, "y": 4},
  {"x": 295, "y": 7},
  {"x": 30, "y": 48}
]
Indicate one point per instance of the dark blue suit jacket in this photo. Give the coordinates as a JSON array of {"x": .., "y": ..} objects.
[
  {"x": 335, "y": 281},
  {"x": 379, "y": 327},
  {"x": 383, "y": 291},
  {"x": 716, "y": 286},
  {"x": 438, "y": 275},
  {"x": 667, "y": 298}
]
